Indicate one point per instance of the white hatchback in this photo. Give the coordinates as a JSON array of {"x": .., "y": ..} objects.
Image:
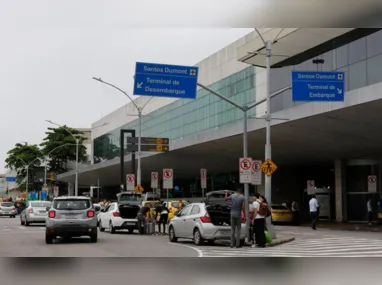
[{"x": 203, "y": 223}]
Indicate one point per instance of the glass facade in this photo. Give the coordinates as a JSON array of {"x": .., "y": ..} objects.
[
  {"x": 361, "y": 61},
  {"x": 186, "y": 117}
]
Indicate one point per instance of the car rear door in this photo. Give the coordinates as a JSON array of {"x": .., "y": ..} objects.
[
  {"x": 190, "y": 220},
  {"x": 181, "y": 229}
]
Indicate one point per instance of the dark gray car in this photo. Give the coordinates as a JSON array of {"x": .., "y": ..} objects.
[{"x": 71, "y": 217}]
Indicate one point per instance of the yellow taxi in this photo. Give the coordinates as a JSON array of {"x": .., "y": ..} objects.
[
  {"x": 172, "y": 206},
  {"x": 281, "y": 214}
]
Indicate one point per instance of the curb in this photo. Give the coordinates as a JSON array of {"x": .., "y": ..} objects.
[
  {"x": 280, "y": 242},
  {"x": 355, "y": 230}
]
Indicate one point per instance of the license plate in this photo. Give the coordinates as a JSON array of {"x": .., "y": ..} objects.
[
  {"x": 225, "y": 232},
  {"x": 130, "y": 224},
  {"x": 42, "y": 212},
  {"x": 71, "y": 217}
]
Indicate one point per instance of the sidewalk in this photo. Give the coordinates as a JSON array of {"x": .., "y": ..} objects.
[{"x": 347, "y": 226}]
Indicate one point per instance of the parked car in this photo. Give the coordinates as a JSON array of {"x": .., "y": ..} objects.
[
  {"x": 35, "y": 212},
  {"x": 281, "y": 214},
  {"x": 122, "y": 214},
  {"x": 209, "y": 221},
  {"x": 71, "y": 217},
  {"x": 8, "y": 209}
]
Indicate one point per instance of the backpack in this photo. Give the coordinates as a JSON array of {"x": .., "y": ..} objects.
[{"x": 263, "y": 210}]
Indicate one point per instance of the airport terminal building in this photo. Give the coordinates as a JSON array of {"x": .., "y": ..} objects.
[{"x": 335, "y": 144}]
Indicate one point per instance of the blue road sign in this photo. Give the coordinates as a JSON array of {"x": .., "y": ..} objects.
[
  {"x": 163, "y": 80},
  {"x": 318, "y": 86},
  {"x": 10, "y": 179}
]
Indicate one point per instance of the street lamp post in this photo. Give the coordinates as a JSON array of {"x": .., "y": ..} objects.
[
  {"x": 140, "y": 115},
  {"x": 77, "y": 149}
]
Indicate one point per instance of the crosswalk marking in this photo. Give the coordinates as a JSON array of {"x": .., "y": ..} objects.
[{"x": 324, "y": 247}]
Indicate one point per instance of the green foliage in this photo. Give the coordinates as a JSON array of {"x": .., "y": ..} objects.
[
  {"x": 104, "y": 149},
  {"x": 20, "y": 156},
  {"x": 59, "y": 155}
]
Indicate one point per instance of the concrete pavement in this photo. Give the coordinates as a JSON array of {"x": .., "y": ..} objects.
[{"x": 21, "y": 241}]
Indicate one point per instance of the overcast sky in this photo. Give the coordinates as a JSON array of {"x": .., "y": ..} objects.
[{"x": 50, "y": 50}]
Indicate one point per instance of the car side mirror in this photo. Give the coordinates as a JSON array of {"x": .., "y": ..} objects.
[{"x": 47, "y": 209}]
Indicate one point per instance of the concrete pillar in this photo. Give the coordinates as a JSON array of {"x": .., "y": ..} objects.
[
  {"x": 339, "y": 187},
  {"x": 70, "y": 189}
]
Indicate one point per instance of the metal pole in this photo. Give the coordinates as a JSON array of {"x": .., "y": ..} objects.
[
  {"x": 27, "y": 182},
  {"x": 76, "y": 185},
  {"x": 139, "y": 146},
  {"x": 245, "y": 154},
  {"x": 45, "y": 169},
  {"x": 268, "y": 153},
  {"x": 98, "y": 191}
]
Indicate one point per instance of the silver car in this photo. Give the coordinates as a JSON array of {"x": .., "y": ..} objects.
[
  {"x": 71, "y": 217},
  {"x": 34, "y": 212},
  {"x": 8, "y": 209},
  {"x": 204, "y": 222}
]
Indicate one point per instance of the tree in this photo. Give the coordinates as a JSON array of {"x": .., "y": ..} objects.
[
  {"x": 104, "y": 149},
  {"x": 21, "y": 156},
  {"x": 59, "y": 156}
]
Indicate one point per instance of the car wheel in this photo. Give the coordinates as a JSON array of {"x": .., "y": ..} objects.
[
  {"x": 198, "y": 240},
  {"x": 111, "y": 228},
  {"x": 171, "y": 234},
  {"x": 21, "y": 222},
  {"x": 94, "y": 238},
  {"x": 131, "y": 230},
  {"x": 48, "y": 238},
  {"x": 27, "y": 224},
  {"x": 101, "y": 229}
]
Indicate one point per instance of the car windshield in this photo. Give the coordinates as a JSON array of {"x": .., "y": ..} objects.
[
  {"x": 40, "y": 204},
  {"x": 7, "y": 204},
  {"x": 279, "y": 207},
  {"x": 71, "y": 204},
  {"x": 130, "y": 198}
]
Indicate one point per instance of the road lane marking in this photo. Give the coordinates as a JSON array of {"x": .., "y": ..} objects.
[{"x": 200, "y": 253}]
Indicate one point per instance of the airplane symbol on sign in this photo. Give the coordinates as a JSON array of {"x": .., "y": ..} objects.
[{"x": 193, "y": 72}]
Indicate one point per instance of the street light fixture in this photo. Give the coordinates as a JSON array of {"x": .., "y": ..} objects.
[
  {"x": 139, "y": 109},
  {"x": 77, "y": 149}
]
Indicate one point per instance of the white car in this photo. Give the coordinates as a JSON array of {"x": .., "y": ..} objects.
[
  {"x": 202, "y": 222},
  {"x": 35, "y": 212},
  {"x": 121, "y": 215}
]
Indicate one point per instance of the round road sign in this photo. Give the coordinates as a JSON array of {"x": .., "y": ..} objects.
[
  {"x": 203, "y": 173},
  {"x": 256, "y": 166},
  {"x": 372, "y": 179},
  {"x": 130, "y": 178},
  {"x": 167, "y": 173},
  {"x": 245, "y": 164},
  {"x": 154, "y": 176},
  {"x": 310, "y": 184}
]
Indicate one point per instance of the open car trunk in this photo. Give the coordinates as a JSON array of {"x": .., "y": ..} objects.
[
  {"x": 129, "y": 204},
  {"x": 218, "y": 209}
]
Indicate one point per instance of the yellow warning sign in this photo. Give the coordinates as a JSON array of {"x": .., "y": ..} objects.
[
  {"x": 268, "y": 167},
  {"x": 138, "y": 188}
]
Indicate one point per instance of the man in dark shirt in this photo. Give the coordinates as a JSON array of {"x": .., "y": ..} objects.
[
  {"x": 162, "y": 211},
  {"x": 142, "y": 217},
  {"x": 237, "y": 208}
]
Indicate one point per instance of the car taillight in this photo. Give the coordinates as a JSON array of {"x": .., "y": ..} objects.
[
  {"x": 116, "y": 214},
  {"x": 30, "y": 211},
  {"x": 205, "y": 219},
  {"x": 91, "y": 214},
  {"x": 52, "y": 214}
]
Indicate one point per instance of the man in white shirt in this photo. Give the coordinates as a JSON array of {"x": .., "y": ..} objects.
[{"x": 313, "y": 209}]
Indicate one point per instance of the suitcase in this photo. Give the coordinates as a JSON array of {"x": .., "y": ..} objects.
[{"x": 150, "y": 229}]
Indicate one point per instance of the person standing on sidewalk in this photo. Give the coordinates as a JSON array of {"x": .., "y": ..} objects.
[
  {"x": 259, "y": 213},
  {"x": 369, "y": 211},
  {"x": 237, "y": 208},
  {"x": 313, "y": 210},
  {"x": 295, "y": 212}
]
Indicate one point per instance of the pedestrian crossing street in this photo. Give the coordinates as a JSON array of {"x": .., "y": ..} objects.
[{"x": 314, "y": 247}]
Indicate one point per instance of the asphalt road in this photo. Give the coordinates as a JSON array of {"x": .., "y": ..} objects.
[{"x": 21, "y": 241}]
